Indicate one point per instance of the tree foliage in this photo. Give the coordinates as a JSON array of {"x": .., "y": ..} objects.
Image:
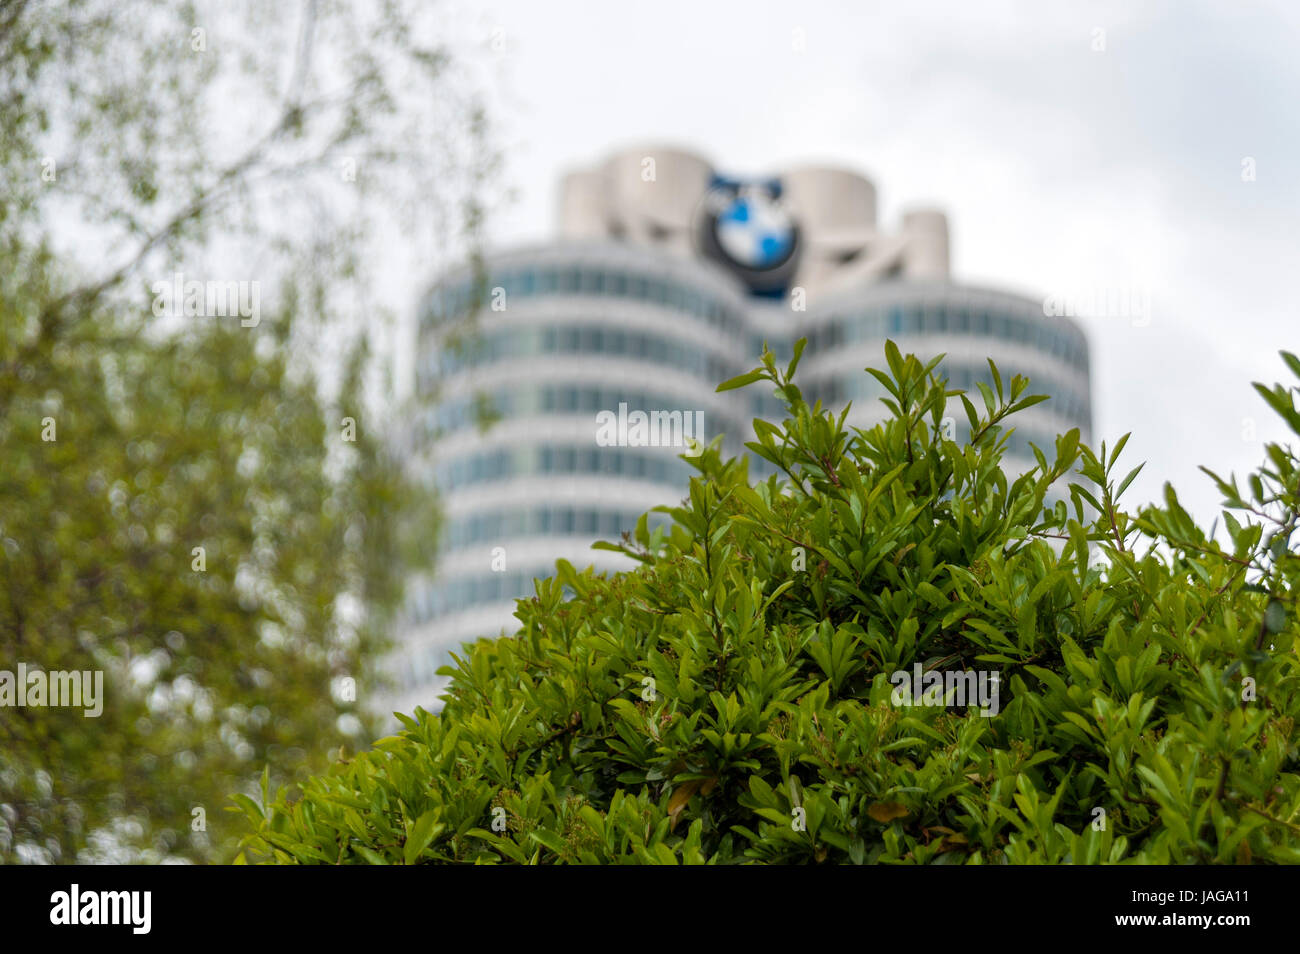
[
  {"x": 198, "y": 530},
  {"x": 184, "y": 505},
  {"x": 730, "y": 700}
]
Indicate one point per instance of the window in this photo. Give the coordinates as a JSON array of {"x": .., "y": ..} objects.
[{"x": 503, "y": 280}]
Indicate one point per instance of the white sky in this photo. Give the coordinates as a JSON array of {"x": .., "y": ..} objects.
[{"x": 1061, "y": 169}]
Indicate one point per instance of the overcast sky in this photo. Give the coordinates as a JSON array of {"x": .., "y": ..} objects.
[{"x": 1062, "y": 168}]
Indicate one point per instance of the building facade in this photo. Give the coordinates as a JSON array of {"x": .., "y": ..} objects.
[{"x": 561, "y": 384}]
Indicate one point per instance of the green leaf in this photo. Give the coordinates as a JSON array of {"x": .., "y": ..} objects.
[
  {"x": 794, "y": 361},
  {"x": 425, "y": 829},
  {"x": 741, "y": 380}
]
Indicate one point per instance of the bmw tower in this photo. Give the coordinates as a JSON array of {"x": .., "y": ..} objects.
[{"x": 571, "y": 377}]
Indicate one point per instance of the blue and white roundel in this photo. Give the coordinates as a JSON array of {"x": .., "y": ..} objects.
[{"x": 755, "y": 231}]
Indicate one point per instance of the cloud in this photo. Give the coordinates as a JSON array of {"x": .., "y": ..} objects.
[{"x": 1060, "y": 166}]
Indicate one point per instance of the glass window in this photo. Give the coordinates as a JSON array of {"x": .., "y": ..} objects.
[{"x": 505, "y": 281}]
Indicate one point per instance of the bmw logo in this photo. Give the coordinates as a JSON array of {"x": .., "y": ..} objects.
[{"x": 747, "y": 228}]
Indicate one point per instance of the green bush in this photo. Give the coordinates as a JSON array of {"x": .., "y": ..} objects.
[{"x": 730, "y": 700}]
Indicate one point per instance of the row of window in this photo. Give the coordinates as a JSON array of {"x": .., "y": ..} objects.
[
  {"x": 439, "y": 599},
  {"x": 496, "y": 525},
  {"x": 464, "y": 412},
  {"x": 419, "y": 665},
  {"x": 660, "y": 465},
  {"x": 937, "y": 318},
  {"x": 585, "y": 339},
  {"x": 527, "y": 281},
  {"x": 870, "y": 324}
]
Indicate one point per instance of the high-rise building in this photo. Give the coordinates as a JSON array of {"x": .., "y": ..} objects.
[{"x": 570, "y": 376}]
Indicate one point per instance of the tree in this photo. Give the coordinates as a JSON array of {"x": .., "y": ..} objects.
[
  {"x": 205, "y": 509},
  {"x": 746, "y": 693}
]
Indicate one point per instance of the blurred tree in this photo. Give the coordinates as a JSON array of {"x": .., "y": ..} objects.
[{"x": 206, "y": 509}]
